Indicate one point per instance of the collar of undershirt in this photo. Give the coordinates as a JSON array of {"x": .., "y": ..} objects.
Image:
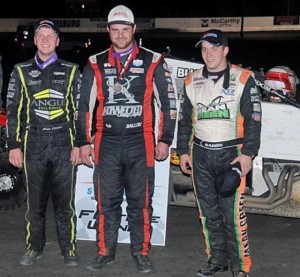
[
  {"x": 124, "y": 54},
  {"x": 215, "y": 76},
  {"x": 43, "y": 64}
]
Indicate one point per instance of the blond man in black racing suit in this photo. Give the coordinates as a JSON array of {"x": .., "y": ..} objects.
[{"x": 41, "y": 104}]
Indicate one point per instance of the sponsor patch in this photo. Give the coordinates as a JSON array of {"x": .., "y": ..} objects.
[
  {"x": 137, "y": 62},
  {"x": 253, "y": 90},
  {"x": 255, "y": 98},
  {"x": 93, "y": 59},
  {"x": 171, "y": 95},
  {"x": 133, "y": 125},
  {"x": 173, "y": 114},
  {"x": 156, "y": 57},
  {"x": 256, "y": 116},
  {"x": 137, "y": 70},
  {"x": 170, "y": 87},
  {"x": 34, "y": 73},
  {"x": 110, "y": 71},
  {"x": 256, "y": 107},
  {"x": 228, "y": 91},
  {"x": 59, "y": 73},
  {"x": 173, "y": 104}
]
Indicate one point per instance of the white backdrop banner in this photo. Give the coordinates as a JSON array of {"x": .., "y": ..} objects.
[{"x": 86, "y": 205}]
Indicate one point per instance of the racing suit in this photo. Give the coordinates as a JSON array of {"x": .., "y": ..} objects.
[
  {"x": 124, "y": 139},
  {"x": 40, "y": 119},
  {"x": 218, "y": 122}
]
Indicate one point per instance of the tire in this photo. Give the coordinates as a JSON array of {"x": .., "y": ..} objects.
[{"x": 12, "y": 191}]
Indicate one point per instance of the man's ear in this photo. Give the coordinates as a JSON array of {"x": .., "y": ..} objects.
[{"x": 226, "y": 50}]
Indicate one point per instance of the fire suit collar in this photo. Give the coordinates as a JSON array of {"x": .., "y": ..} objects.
[
  {"x": 126, "y": 53},
  {"x": 43, "y": 64},
  {"x": 226, "y": 75},
  {"x": 111, "y": 58},
  {"x": 205, "y": 72}
]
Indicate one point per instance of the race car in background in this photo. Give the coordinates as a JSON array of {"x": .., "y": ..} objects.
[{"x": 12, "y": 190}]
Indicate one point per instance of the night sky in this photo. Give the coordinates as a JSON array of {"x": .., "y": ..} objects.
[{"x": 165, "y": 8}]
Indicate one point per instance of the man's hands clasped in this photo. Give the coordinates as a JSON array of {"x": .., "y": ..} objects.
[{"x": 83, "y": 155}]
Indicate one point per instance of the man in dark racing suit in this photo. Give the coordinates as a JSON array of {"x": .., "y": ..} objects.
[
  {"x": 122, "y": 83},
  {"x": 41, "y": 105},
  {"x": 219, "y": 131}
]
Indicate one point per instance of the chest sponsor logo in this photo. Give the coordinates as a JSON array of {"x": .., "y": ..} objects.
[
  {"x": 217, "y": 109},
  {"x": 119, "y": 90},
  {"x": 119, "y": 93},
  {"x": 34, "y": 73},
  {"x": 49, "y": 104},
  {"x": 228, "y": 91}
]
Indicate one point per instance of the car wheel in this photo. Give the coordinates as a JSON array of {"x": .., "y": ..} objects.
[{"x": 12, "y": 191}]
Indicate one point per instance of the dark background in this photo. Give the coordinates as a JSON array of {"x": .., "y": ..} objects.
[{"x": 165, "y": 8}]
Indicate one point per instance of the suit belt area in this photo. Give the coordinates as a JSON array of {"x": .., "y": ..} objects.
[
  {"x": 48, "y": 128},
  {"x": 218, "y": 145}
]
